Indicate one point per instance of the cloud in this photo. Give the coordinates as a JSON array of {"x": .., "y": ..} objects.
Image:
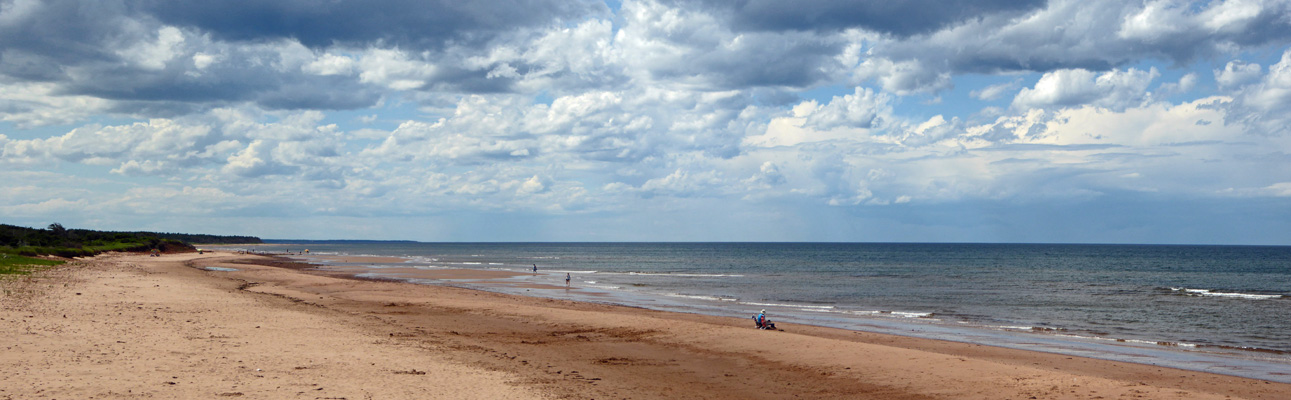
[
  {"x": 165, "y": 59},
  {"x": 154, "y": 55},
  {"x": 1237, "y": 73},
  {"x": 903, "y": 77},
  {"x": 1117, "y": 90},
  {"x": 1263, "y": 105},
  {"x": 31, "y": 104},
  {"x": 392, "y": 110},
  {"x": 994, "y": 92},
  {"x": 682, "y": 183},
  {"x": 903, "y": 18},
  {"x": 401, "y": 23},
  {"x": 1093, "y": 35},
  {"x": 693, "y": 48},
  {"x": 330, "y": 64},
  {"x": 862, "y": 109},
  {"x": 1185, "y": 84},
  {"x": 133, "y": 65}
]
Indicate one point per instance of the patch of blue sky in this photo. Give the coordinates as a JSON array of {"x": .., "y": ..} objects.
[
  {"x": 959, "y": 101},
  {"x": 543, "y": 97},
  {"x": 822, "y": 94},
  {"x": 614, "y": 5},
  {"x": 385, "y": 116}
]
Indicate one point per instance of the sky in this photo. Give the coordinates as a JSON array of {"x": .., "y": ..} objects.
[{"x": 1069, "y": 121}]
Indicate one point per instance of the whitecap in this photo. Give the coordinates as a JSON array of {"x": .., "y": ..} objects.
[
  {"x": 1210, "y": 293},
  {"x": 700, "y": 297},
  {"x": 681, "y": 274}
]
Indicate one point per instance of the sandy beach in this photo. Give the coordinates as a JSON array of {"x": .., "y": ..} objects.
[{"x": 133, "y": 326}]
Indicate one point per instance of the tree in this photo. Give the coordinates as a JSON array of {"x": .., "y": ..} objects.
[{"x": 58, "y": 229}]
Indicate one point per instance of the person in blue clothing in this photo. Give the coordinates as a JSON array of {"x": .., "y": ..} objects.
[
  {"x": 567, "y": 279},
  {"x": 762, "y": 321}
]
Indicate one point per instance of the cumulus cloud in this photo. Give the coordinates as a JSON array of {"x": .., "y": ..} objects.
[
  {"x": 1094, "y": 35},
  {"x": 1264, "y": 104},
  {"x": 545, "y": 107},
  {"x": 903, "y": 77},
  {"x": 330, "y": 64},
  {"x": 164, "y": 59},
  {"x": 862, "y": 109},
  {"x": 30, "y": 104},
  {"x": 1073, "y": 87},
  {"x": 692, "y": 47},
  {"x": 1185, "y": 84},
  {"x": 1237, "y": 73}
]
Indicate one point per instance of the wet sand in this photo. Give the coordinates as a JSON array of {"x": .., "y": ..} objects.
[{"x": 135, "y": 326}]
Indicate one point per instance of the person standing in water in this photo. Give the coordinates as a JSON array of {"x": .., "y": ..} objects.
[
  {"x": 566, "y": 279},
  {"x": 535, "y": 268}
]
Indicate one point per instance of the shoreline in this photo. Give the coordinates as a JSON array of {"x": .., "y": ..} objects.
[
  {"x": 1238, "y": 362},
  {"x": 533, "y": 347}
]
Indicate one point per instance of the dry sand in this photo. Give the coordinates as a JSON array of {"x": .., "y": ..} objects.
[{"x": 132, "y": 326}]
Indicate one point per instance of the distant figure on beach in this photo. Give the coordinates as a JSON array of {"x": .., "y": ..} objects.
[
  {"x": 566, "y": 279},
  {"x": 535, "y": 268},
  {"x": 762, "y": 321}
]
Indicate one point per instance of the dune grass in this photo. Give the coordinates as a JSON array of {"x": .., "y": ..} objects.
[{"x": 18, "y": 265}]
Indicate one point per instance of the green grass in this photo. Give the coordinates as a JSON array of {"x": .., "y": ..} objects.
[
  {"x": 89, "y": 249},
  {"x": 18, "y": 265}
]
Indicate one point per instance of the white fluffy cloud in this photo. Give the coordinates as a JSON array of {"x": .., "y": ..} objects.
[
  {"x": 903, "y": 77},
  {"x": 1074, "y": 87},
  {"x": 863, "y": 109},
  {"x": 1237, "y": 73},
  {"x": 1263, "y": 105}
]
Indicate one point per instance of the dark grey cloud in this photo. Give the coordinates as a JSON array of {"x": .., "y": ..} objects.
[
  {"x": 1096, "y": 35},
  {"x": 233, "y": 80},
  {"x": 901, "y": 18},
  {"x": 38, "y": 42},
  {"x": 774, "y": 61},
  {"x": 319, "y": 93},
  {"x": 93, "y": 48},
  {"x": 455, "y": 79},
  {"x": 794, "y": 60},
  {"x": 409, "y": 23}
]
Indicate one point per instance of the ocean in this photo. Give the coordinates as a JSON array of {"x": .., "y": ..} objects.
[{"x": 1223, "y": 309}]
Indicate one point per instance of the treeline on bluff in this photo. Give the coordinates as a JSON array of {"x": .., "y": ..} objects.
[{"x": 59, "y": 241}]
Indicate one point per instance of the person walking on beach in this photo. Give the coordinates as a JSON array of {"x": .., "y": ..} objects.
[
  {"x": 535, "y": 268},
  {"x": 566, "y": 279}
]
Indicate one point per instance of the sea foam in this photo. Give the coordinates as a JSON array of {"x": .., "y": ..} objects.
[{"x": 1210, "y": 293}]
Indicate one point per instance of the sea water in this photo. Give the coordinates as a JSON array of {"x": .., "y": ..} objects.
[{"x": 1224, "y": 309}]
